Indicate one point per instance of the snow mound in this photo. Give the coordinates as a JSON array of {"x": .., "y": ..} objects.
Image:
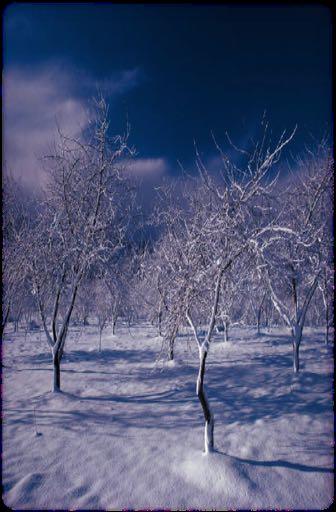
[{"x": 218, "y": 472}]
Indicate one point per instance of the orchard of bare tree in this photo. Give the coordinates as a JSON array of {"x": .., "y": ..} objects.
[{"x": 167, "y": 330}]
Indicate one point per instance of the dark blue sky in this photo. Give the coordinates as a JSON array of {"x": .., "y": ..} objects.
[{"x": 184, "y": 70}]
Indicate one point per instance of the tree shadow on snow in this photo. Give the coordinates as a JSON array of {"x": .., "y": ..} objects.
[
  {"x": 105, "y": 356},
  {"x": 250, "y": 387},
  {"x": 279, "y": 463}
]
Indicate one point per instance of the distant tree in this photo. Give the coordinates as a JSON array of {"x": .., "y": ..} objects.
[
  {"x": 84, "y": 305},
  {"x": 156, "y": 290},
  {"x": 116, "y": 295},
  {"x": 102, "y": 306},
  {"x": 233, "y": 297},
  {"x": 18, "y": 209},
  {"x": 294, "y": 265},
  {"x": 326, "y": 286},
  {"x": 257, "y": 293}
]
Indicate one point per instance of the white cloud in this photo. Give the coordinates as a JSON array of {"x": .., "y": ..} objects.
[
  {"x": 36, "y": 101},
  {"x": 148, "y": 167},
  {"x": 118, "y": 83}
]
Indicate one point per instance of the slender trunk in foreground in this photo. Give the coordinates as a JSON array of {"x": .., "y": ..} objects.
[
  {"x": 57, "y": 340},
  {"x": 203, "y": 348},
  {"x": 202, "y": 396}
]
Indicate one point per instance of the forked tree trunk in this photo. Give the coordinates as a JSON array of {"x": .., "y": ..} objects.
[
  {"x": 203, "y": 350},
  {"x": 59, "y": 341},
  {"x": 208, "y": 416}
]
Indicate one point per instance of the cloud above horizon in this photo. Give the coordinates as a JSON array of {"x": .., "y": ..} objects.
[
  {"x": 36, "y": 101},
  {"x": 148, "y": 167}
]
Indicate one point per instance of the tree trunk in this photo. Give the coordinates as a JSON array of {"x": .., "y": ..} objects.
[
  {"x": 16, "y": 325},
  {"x": 297, "y": 335},
  {"x": 160, "y": 322},
  {"x": 208, "y": 416},
  {"x": 327, "y": 325},
  {"x": 114, "y": 321},
  {"x": 171, "y": 342},
  {"x": 171, "y": 347},
  {"x": 258, "y": 321},
  {"x": 226, "y": 331},
  {"x": 56, "y": 373},
  {"x": 100, "y": 337},
  {"x": 5, "y": 319},
  {"x": 171, "y": 350},
  {"x": 270, "y": 319},
  {"x": 296, "y": 360}
]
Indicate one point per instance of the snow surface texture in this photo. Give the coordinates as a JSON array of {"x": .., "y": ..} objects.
[{"x": 127, "y": 430}]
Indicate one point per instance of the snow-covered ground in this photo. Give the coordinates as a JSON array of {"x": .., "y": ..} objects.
[{"x": 127, "y": 430}]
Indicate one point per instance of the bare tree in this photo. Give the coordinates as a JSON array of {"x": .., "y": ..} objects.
[
  {"x": 82, "y": 220},
  {"x": 218, "y": 223},
  {"x": 294, "y": 265}
]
